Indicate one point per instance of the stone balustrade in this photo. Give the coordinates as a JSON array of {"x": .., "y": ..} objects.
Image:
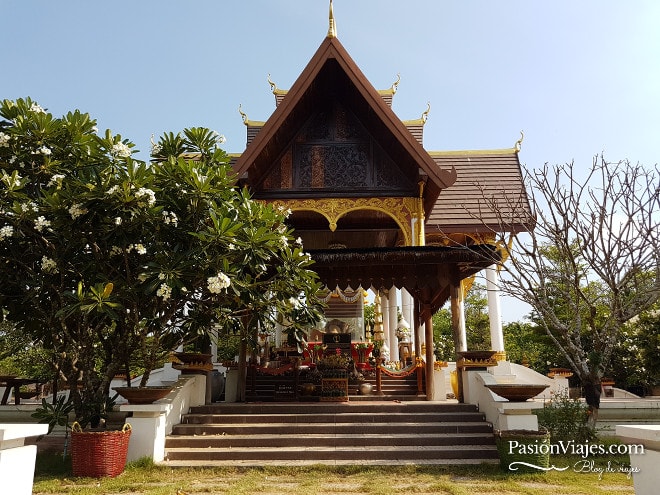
[{"x": 17, "y": 459}]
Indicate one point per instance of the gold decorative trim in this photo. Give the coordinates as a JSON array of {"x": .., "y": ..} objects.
[
  {"x": 518, "y": 145},
  {"x": 392, "y": 89},
  {"x": 476, "y": 363},
  {"x": 459, "y": 239},
  {"x": 500, "y": 356},
  {"x": 401, "y": 210},
  {"x": 332, "y": 28},
  {"x": 248, "y": 122},
  {"x": 420, "y": 121},
  {"x": 275, "y": 89},
  {"x": 503, "y": 151}
]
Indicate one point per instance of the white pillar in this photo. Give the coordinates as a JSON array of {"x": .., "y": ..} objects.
[
  {"x": 494, "y": 315},
  {"x": 384, "y": 307},
  {"x": 407, "y": 309},
  {"x": 393, "y": 317}
]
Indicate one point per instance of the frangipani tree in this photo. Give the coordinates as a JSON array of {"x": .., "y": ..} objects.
[
  {"x": 103, "y": 253},
  {"x": 590, "y": 264}
]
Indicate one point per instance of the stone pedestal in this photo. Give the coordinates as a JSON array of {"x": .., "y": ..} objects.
[
  {"x": 231, "y": 386},
  {"x": 518, "y": 416},
  {"x": 439, "y": 386},
  {"x": 17, "y": 459},
  {"x": 645, "y": 474}
]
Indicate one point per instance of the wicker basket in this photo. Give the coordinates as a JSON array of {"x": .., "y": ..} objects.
[
  {"x": 531, "y": 453},
  {"x": 95, "y": 454}
]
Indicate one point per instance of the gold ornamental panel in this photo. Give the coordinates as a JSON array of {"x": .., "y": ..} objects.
[{"x": 401, "y": 210}]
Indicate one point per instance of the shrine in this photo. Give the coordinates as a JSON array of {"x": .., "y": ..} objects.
[{"x": 377, "y": 212}]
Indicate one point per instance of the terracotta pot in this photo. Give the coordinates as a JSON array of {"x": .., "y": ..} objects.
[{"x": 142, "y": 395}]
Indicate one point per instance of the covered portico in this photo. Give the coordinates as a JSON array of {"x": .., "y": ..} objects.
[
  {"x": 371, "y": 205},
  {"x": 431, "y": 274}
]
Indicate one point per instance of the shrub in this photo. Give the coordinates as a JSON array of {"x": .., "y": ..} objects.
[{"x": 566, "y": 418}]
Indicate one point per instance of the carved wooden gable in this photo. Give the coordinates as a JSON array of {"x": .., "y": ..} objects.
[{"x": 334, "y": 154}]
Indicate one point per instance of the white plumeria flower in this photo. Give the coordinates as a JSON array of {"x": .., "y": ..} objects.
[
  {"x": 170, "y": 218},
  {"x": 118, "y": 220},
  {"x": 115, "y": 250},
  {"x": 56, "y": 180},
  {"x": 44, "y": 150},
  {"x": 77, "y": 210},
  {"x": 41, "y": 223},
  {"x": 150, "y": 196},
  {"x": 13, "y": 180},
  {"x": 299, "y": 241},
  {"x": 121, "y": 150},
  {"x": 164, "y": 291},
  {"x": 114, "y": 189},
  {"x": 36, "y": 108},
  {"x": 49, "y": 265},
  {"x": 218, "y": 283},
  {"x": 30, "y": 206},
  {"x": 4, "y": 140},
  {"x": 6, "y": 232},
  {"x": 139, "y": 248}
]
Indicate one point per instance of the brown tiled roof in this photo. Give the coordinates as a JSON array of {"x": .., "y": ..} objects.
[{"x": 482, "y": 177}]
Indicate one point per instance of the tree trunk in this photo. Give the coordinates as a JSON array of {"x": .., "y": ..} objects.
[{"x": 592, "y": 392}]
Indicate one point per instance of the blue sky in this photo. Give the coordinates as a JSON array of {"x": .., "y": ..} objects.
[{"x": 579, "y": 77}]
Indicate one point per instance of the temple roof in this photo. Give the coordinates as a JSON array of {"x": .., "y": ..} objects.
[
  {"x": 488, "y": 195},
  {"x": 332, "y": 73}
]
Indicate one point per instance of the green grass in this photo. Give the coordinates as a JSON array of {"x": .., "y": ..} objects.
[{"x": 143, "y": 477}]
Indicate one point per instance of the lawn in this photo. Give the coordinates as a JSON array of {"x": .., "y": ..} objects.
[{"x": 143, "y": 478}]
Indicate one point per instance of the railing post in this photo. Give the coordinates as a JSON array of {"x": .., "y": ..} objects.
[
  {"x": 420, "y": 377},
  {"x": 379, "y": 377}
]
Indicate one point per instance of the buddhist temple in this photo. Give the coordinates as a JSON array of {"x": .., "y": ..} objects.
[{"x": 377, "y": 211}]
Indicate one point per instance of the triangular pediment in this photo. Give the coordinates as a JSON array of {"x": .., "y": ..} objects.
[{"x": 333, "y": 134}]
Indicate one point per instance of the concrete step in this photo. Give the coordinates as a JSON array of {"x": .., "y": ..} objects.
[
  {"x": 369, "y": 433},
  {"x": 329, "y": 440},
  {"x": 347, "y": 417},
  {"x": 389, "y": 406},
  {"x": 408, "y": 454},
  {"x": 329, "y": 429}
]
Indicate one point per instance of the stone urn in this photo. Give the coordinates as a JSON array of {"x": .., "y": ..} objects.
[
  {"x": 365, "y": 388},
  {"x": 307, "y": 389}
]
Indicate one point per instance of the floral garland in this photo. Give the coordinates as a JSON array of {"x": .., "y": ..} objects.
[
  {"x": 356, "y": 294},
  {"x": 400, "y": 374}
]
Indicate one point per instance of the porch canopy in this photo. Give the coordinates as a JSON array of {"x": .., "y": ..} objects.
[{"x": 427, "y": 272}]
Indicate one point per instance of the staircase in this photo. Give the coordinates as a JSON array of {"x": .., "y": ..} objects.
[
  {"x": 368, "y": 433},
  {"x": 275, "y": 388}
]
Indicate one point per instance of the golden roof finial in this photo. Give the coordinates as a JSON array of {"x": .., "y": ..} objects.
[
  {"x": 243, "y": 114},
  {"x": 518, "y": 144},
  {"x": 332, "y": 29},
  {"x": 273, "y": 86},
  {"x": 395, "y": 85},
  {"x": 425, "y": 115}
]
